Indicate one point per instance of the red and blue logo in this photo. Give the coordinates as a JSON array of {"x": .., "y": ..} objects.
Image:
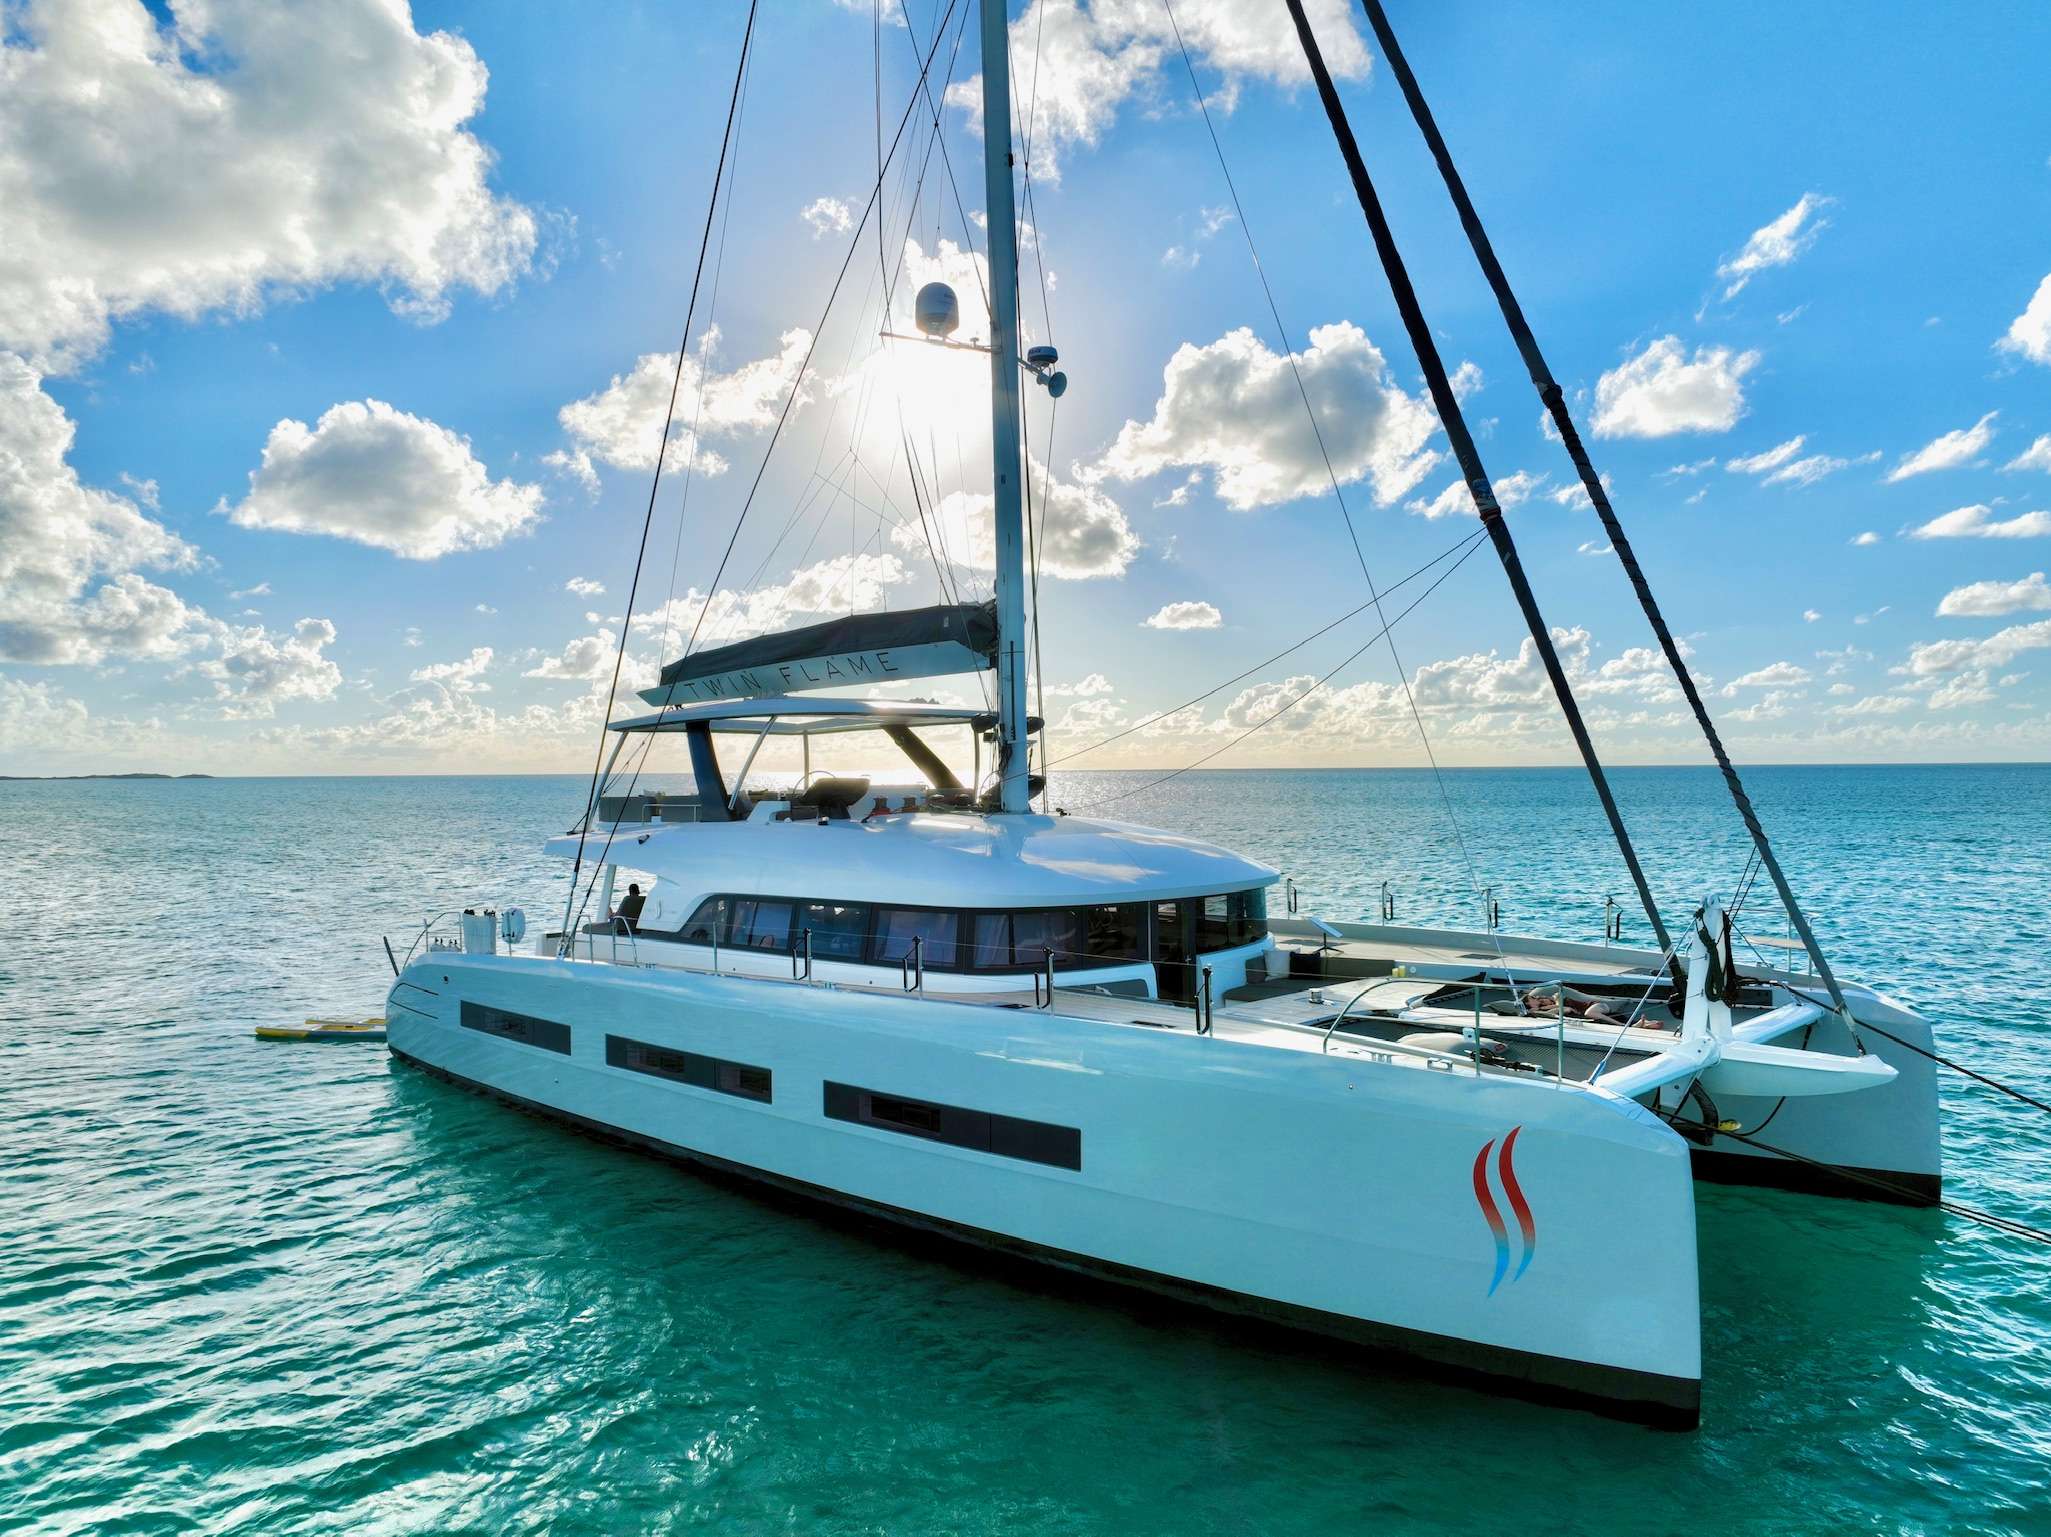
[{"x": 1513, "y": 1193}]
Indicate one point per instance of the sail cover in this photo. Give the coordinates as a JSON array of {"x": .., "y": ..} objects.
[{"x": 862, "y": 648}]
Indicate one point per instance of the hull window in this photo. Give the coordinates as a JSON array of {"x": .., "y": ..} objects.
[
  {"x": 736, "y": 1078},
  {"x": 524, "y": 1028},
  {"x": 1008, "y": 1136}
]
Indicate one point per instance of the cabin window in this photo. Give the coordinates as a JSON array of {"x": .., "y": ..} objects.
[
  {"x": 703, "y": 926},
  {"x": 754, "y": 924},
  {"x": 1022, "y": 940},
  {"x": 1007, "y": 1136},
  {"x": 1213, "y": 926},
  {"x": 1115, "y": 933},
  {"x": 524, "y": 1028},
  {"x": 739, "y": 1079},
  {"x": 1246, "y": 916},
  {"x": 897, "y": 927},
  {"x": 839, "y": 929}
]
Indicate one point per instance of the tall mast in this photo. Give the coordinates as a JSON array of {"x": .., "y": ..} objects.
[
  {"x": 1556, "y": 405},
  {"x": 1004, "y": 446},
  {"x": 1469, "y": 457}
]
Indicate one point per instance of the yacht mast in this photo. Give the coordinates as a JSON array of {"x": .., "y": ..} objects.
[{"x": 1004, "y": 445}]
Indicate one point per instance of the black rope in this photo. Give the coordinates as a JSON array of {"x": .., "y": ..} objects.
[
  {"x": 1956, "y": 1067},
  {"x": 1462, "y": 442},
  {"x": 662, "y": 453},
  {"x": 1555, "y": 403}
]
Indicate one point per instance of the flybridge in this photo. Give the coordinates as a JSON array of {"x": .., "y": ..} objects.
[{"x": 861, "y": 648}]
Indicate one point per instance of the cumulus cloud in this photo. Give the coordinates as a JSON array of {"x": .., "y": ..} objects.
[
  {"x": 621, "y": 425},
  {"x": 586, "y": 657},
  {"x": 1769, "y": 459},
  {"x": 584, "y": 587},
  {"x": 1233, "y": 408},
  {"x": 383, "y": 477},
  {"x": 1083, "y": 533},
  {"x": 1187, "y": 615},
  {"x": 1776, "y": 244},
  {"x": 2036, "y": 457},
  {"x": 1087, "y": 64},
  {"x": 838, "y": 585},
  {"x": 2029, "y": 335},
  {"x": 1510, "y": 490},
  {"x": 1978, "y": 522},
  {"x": 238, "y": 150},
  {"x": 1780, "y": 466},
  {"x": 1987, "y": 600},
  {"x": 1937, "y": 658},
  {"x": 1773, "y": 675},
  {"x": 258, "y": 669},
  {"x": 1865, "y": 539},
  {"x": 1959, "y": 446},
  {"x": 1662, "y": 391},
  {"x": 827, "y": 216},
  {"x": 465, "y": 676},
  {"x": 58, "y": 536}
]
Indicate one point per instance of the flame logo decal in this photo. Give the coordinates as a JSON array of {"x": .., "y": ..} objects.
[{"x": 1527, "y": 1229}]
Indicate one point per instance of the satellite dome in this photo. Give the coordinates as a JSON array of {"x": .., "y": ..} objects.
[{"x": 936, "y": 310}]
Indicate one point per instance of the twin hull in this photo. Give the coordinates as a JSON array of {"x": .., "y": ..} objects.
[{"x": 1371, "y": 1201}]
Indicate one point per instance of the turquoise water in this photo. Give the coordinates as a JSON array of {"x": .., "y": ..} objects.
[{"x": 291, "y": 1288}]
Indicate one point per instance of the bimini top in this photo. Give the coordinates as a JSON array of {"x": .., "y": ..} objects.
[
  {"x": 860, "y": 648},
  {"x": 932, "y": 859},
  {"x": 803, "y": 717}
]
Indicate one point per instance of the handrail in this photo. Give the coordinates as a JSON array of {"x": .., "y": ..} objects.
[
  {"x": 912, "y": 968},
  {"x": 622, "y": 926},
  {"x": 802, "y": 956},
  {"x": 1339, "y": 1018},
  {"x": 1388, "y": 904},
  {"x": 1049, "y": 1003},
  {"x": 425, "y": 929},
  {"x": 1204, "y": 1018}
]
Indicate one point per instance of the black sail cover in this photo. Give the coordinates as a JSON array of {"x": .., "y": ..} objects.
[{"x": 861, "y": 648}]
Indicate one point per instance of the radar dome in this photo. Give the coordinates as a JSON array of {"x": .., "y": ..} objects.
[{"x": 936, "y": 310}]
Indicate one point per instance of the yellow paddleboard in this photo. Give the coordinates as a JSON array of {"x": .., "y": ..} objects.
[{"x": 325, "y": 1030}]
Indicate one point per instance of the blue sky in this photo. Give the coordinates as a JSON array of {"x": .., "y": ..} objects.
[{"x": 322, "y": 333}]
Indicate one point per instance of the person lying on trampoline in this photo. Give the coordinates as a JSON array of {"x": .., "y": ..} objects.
[{"x": 1556, "y": 998}]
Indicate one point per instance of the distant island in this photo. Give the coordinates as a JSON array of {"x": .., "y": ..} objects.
[{"x": 105, "y": 776}]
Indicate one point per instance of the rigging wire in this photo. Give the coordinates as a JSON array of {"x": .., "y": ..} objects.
[
  {"x": 662, "y": 452},
  {"x": 1353, "y": 534},
  {"x": 776, "y": 433},
  {"x": 1285, "y": 709},
  {"x": 1352, "y": 613}
]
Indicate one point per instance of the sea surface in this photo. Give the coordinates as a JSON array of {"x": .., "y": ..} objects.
[{"x": 282, "y": 1288}]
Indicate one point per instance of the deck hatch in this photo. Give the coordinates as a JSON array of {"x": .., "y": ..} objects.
[
  {"x": 1008, "y": 1136},
  {"x": 524, "y": 1028},
  {"x": 740, "y": 1079}
]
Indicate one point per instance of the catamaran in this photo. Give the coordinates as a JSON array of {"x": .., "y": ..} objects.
[{"x": 1113, "y": 1050}]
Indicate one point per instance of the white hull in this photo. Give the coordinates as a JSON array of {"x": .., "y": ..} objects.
[{"x": 1362, "y": 1198}]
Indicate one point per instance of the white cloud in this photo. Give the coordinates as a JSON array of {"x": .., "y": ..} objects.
[
  {"x": 1661, "y": 391},
  {"x": 1987, "y": 600},
  {"x": 1091, "y": 687},
  {"x": 1966, "y": 688},
  {"x": 1467, "y": 381},
  {"x": 486, "y": 609},
  {"x": 584, "y": 587},
  {"x": 1077, "y": 68},
  {"x": 1873, "y": 704},
  {"x": 258, "y": 670},
  {"x": 260, "y": 590},
  {"x": 1451, "y": 501},
  {"x": 621, "y": 425},
  {"x": 1181, "y": 258},
  {"x": 1960, "y": 446},
  {"x": 2036, "y": 457},
  {"x": 1937, "y": 658},
  {"x": 465, "y": 676},
  {"x": 827, "y": 216},
  {"x": 2030, "y": 334},
  {"x": 1233, "y": 408},
  {"x": 1773, "y": 675},
  {"x": 1776, "y": 244},
  {"x": 836, "y": 586},
  {"x": 384, "y": 478},
  {"x": 57, "y": 535},
  {"x": 1978, "y": 522},
  {"x": 1811, "y": 468},
  {"x": 244, "y": 150},
  {"x": 586, "y": 658},
  {"x": 1590, "y": 547},
  {"x": 1810, "y": 616},
  {"x": 1770, "y": 459},
  {"x": 1189, "y": 615},
  {"x": 1083, "y": 533},
  {"x": 1867, "y": 538}
]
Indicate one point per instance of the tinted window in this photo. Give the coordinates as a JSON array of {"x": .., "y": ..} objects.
[
  {"x": 701, "y": 1072},
  {"x": 753, "y": 924},
  {"x": 704, "y": 923},
  {"x": 896, "y": 927},
  {"x": 524, "y": 1028},
  {"x": 1247, "y": 919},
  {"x": 1212, "y": 925},
  {"x": 1021, "y": 941},
  {"x": 839, "y": 929},
  {"x": 1008, "y": 1136},
  {"x": 1115, "y": 933}
]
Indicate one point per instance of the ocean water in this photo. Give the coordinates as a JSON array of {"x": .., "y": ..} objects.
[{"x": 277, "y": 1288}]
